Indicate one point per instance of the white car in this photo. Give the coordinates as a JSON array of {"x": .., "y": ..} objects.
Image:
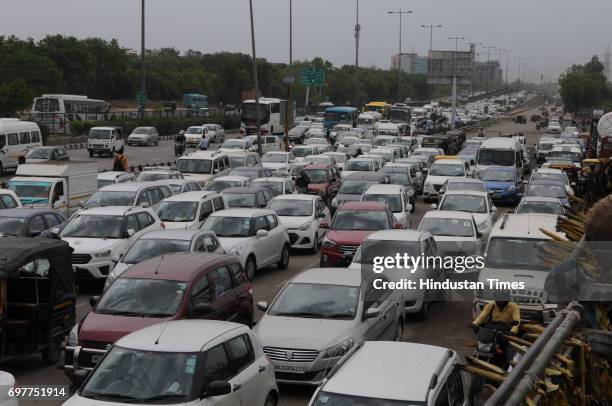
[
  {"x": 225, "y": 182},
  {"x": 477, "y": 203},
  {"x": 321, "y": 158},
  {"x": 183, "y": 185},
  {"x": 277, "y": 160},
  {"x": 189, "y": 209},
  {"x": 9, "y": 199},
  {"x": 99, "y": 234},
  {"x": 553, "y": 174},
  {"x": 339, "y": 157},
  {"x": 439, "y": 172},
  {"x": 398, "y": 198},
  {"x": 243, "y": 158},
  {"x": 158, "y": 173},
  {"x": 391, "y": 373},
  {"x": 541, "y": 205},
  {"x": 7, "y": 382},
  {"x": 216, "y": 133},
  {"x": 110, "y": 177},
  {"x": 160, "y": 242},
  {"x": 455, "y": 233},
  {"x": 302, "y": 151},
  {"x": 182, "y": 362},
  {"x": 302, "y": 214},
  {"x": 237, "y": 144},
  {"x": 194, "y": 135},
  {"x": 319, "y": 316},
  {"x": 452, "y": 184},
  {"x": 554, "y": 128},
  {"x": 143, "y": 136},
  {"x": 360, "y": 164},
  {"x": 277, "y": 186},
  {"x": 256, "y": 236}
]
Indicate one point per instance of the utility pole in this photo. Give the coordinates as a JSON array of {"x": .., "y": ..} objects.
[
  {"x": 431, "y": 27},
  {"x": 290, "y": 79},
  {"x": 473, "y": 46},
  {"x": 290, "y": 33},
  {"x": 488, "y": 78},
  {"x": 255, "y": 81},
  {"x": 508, "y": 52},
  {"x": 400, "y": 13},
  {"x": 357, "y": 35},
  {"x": 143, "y": 83},
  {"x": 454, "y": 91},
  {"x": 518, "y": 72}
]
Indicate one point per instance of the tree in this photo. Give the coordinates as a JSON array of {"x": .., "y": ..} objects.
[
  {"x": 584, "y": 86},
  {"x": 14, "y": 97}
]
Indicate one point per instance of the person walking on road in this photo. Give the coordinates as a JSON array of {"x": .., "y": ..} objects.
[{"x": 120, "y": 163}]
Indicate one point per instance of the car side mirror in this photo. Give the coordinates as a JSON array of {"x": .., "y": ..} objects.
[
  {"x": 55, "y": 231},
  {"x": 324, "y": 224},
  {"x": 433, "y": 206},
  {"x": 129, "y": 232},
  {"x": 261, "y": 233},
  {"x": 82, "y": 204},
  {"x": 201, "y": 309},
  {"x": 494, "y": 209},
  {"x": 80, "y": 375},
  {"x": 263, "y": 306},
  {"x": 371, "y": 313},
  {"x": 218, "y": 388},
  {"x": 93, "y": 301}
]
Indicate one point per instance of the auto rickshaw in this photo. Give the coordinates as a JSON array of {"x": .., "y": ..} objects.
[{"x": 37, "y": 297}]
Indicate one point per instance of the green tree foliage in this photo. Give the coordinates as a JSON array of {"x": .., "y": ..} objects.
[
  {"x": 585, "y": 86},
  {"x": 102, "y": 69},
  {"x": 14, "y": 96}
]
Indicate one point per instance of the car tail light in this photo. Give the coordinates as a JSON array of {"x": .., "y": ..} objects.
[{"x": 162, "y": 225}]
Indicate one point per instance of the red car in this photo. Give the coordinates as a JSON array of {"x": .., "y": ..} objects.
[
  {"x": 351, "y": 224},
  {"x": 170, "y": 287},
  {"x": 324, "y": 180}
]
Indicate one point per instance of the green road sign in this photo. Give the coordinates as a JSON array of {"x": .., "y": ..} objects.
[{"x": 312, "y": 77}]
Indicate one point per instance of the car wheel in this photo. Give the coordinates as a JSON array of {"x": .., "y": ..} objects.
[
  {"x": 250, "y": 267},
  {"x": 283, "y": 263},
  {"x": 399, "y": 331},
  {"x": 271, "y": 400},
  {"x": 315, "y": 244}
]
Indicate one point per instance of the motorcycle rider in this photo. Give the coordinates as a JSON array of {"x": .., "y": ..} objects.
[
  {"x": 500, "y": 310},
  {"x": 180, "y": 138},
  {"x": 179, "y": 143}
]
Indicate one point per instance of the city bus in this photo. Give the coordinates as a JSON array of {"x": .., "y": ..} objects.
[
  {"x": 269, "y": 116},
  {"x": 194, "y": 101},
  {"x": 57, "y": 110},
  {"x": 340, "y": 115},
  {"x": 381, "y": 107}
]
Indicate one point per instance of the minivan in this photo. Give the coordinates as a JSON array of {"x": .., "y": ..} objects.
[{"x": 16, "y": 139}]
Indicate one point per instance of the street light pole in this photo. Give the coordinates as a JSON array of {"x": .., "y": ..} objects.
[
  {"x": 454, "y": 91},
  {"x": 357, "y": 35},
  {"x": 290, "y": 33},
  {"x": 142, "y": 62},
  {"x": 400, "y": 13},
  {"x": 488, "y": 48},
  {"x": 473, "y": 44},
  {"x": 255, "y": 81},
  {"x": 431, "y": 27}
]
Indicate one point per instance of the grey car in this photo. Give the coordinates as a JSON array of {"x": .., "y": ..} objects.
[
  {"x": 143, "y": 136},
  {"x": 22, "y": 222},
  {"x": 354, "y": 184}
]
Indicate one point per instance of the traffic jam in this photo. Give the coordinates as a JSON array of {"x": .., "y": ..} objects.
[{"x": 173, "y": 253}]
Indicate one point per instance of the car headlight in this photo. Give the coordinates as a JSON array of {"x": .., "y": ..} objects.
[
  {"x": 304, "y": 227},
  {"x": 73, "y": 337},
  {"x": 339, "y": 349},
  {"x": 237, "y": 250},
  {"x": 482, "y": 226},
  {"x": 328, "y": 243},
  {"x": 102, "y": 254}
]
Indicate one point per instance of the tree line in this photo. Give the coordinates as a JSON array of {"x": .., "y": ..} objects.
[
  {"x": 104, "y": 70},
  {"x": 585, "y": 86}
]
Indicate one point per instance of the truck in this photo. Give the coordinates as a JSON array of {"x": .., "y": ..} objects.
[{"x": 60, "y": 186}]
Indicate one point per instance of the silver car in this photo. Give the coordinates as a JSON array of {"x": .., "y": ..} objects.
[{"x": 143, "y": 136}]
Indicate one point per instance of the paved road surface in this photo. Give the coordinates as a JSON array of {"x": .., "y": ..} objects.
[{"x": 446, "y": 325}]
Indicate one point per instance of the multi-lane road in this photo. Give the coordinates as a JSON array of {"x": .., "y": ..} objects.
[{"x": 445, "y": 326}]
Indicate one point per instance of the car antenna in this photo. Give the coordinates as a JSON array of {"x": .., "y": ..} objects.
[
  {"x": 161, "y": 259},
  {"x": 161, "y": 332}
]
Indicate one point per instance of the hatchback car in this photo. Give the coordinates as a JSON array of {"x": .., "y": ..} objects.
[
  {"x": 190, "y": 209},
  {"x": 542, "y": 205},
  {"x": 252, "y": 197},
  {"x": 46, "y": 154},
  {"x": 224, "y": 182},
  {"x": 467, "y": 184},
  {"x": 277, "y": 160},
  {"x": 477, "y": 203},
  {"x": 111, "y": 177},
  {"x": 129, "y": 194},
  {"x": 455, "y": 232},
  {"x": 360, "y": 165},
  {"x": 324, "y": 180},
  {"x": 503, "y": 184},
  {"x": 440, "y": 171},
  {"x": 183, "y": 185},
  {"x": 216, "y": 133},
  {"x": 277, "y": 186},
  {"x": 236, "y": 145},
  {"x": 251, "y": 172},
  {"x": 158, "y": 173},
  {"x": 143, "y": 136},
  {"x": 21, "y": 222},
  {"x": 243, "y": 158},
  {"x": 396, "y": 196},
  {"x": 355, "y": 184},
  {"x": 548, "y": 188},
  {"x": 319, "y": 316}
]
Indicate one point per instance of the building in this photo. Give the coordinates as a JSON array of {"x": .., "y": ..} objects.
[
  {"x": 411, "y": 63},
  {"x": 442, "y": 66},
  {"x": 488, "y": 72}
]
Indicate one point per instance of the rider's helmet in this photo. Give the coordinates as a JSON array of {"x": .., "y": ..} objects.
[
  {"x": 182, "y": 132},
  {"x": 501, "y": 297}
]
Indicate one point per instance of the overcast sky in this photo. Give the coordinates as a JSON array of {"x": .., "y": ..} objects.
[{"x": 549, "y": 34}]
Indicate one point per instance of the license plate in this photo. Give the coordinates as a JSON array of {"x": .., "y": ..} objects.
[
  {"x": 294, "y": 369},
  {"x": 96, "y": 358}
]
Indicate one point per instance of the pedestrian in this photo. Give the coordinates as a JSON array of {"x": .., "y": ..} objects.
[
  {"x": 120, "y": 163},
  {"x": 302, "y": 182},
  {"x": 203, "y": 145}
]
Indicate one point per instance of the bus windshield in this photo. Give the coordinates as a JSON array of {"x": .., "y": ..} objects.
[{"x": 249, "y": 114}]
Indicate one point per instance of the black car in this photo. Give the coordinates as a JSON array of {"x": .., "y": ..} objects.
[
  {"x": 252, "y": 197},
  {"x": 24, "y": 222}
]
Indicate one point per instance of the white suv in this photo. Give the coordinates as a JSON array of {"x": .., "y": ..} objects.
[
  {"x": 256, "y": 236},
  {"x": 381, "y": 373},
  {"x": 99, "y": 234},
  {"x": 189, "y": 209},
  {"x": 193, "y": 362}
]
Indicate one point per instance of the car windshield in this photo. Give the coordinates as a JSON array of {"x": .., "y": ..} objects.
[
  {"x": 274, "y": 158},
  {"x": 228, "y": 226},
  {"x": 186, "y": 165},
  {"x": 94, "y": 226},
  {"x": 361, "y": 220},
  {"x": 31, "y": 192},
  {"x": 163, "y": 377},
  {"x": 549, "y": 176},
  {"x": 317, "y": 301},
  {"x": 302, "y": 152},
  {"x": 275, "y": 188},
  {"x": 557, "y": 191},
  {"x": 12, "y": 225},
  {"x": 370, "y": 249},
  {"x": 467, "y": 186},
  {"x": 233, "y": 144},
  {"x": 395, "y": 201},
  {"x": 195, "y": 130},
  {"x": 339, "y": 158},
  {"x": 219, "y": 185},
  {"x": 496, "y": 157},
  {"x": 381, "y": 141},
  {"x": 355, "y": 187},
  {"x": 348, "y": 140},
  {"x": 498, "y": 176},
  {"x": 516, "y": 253},
  {"x": 446, "y": 170},
  {"x": 152, "y": 176},
  {"x": 104, "y": 182},
  {"x": 99, "y": 134},
  {"x": 398, "y": 178},
  {"x": 141, "y": 130},
  {"x": 316, "y": 175},
  {"x": 448, "y": 227},
  {"x": 177, "y": 211},
  {"x": 359, "y": 166},
  {"x": 241, "y": 199},
  {"x": 574, "y": 156},
  {"x": 39, "y": 153},
  {"x": 236, "y": 161},
  {"x": 291, "y": 208},
  {"x": 146, "y": 248},
  {"x": 540, "y": 207},
  {"x": 471, "y": 204},
  {"x": 111, "y": 198}
]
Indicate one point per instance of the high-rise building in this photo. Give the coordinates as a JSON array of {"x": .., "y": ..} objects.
[
  {"x": 411, "y": 63},
  {"x": 487, "y": 72}
]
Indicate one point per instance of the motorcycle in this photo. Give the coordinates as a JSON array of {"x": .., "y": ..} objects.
[
  {"x": 179, "y": 148},
  {"x": 490, "y": 345}
]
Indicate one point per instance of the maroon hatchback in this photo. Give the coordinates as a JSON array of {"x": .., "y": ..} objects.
[{"x": 170, "y": 287}]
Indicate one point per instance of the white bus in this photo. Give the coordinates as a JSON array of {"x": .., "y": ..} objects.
[
  {"x": 269, "y": 116},
  {"x": 57, "y": 110}
]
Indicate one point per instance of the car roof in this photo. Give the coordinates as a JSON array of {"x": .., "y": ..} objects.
[
  {"x": 466, "y": 192},
  {"x": 203, "y": 155},
  {"x": 500, "y": 169},
  {"x": 448, "y": 214},
  {"x": 24, "y": 212},
  {"x": 449, "y": 162},
  {"x": 405, "y": 371},
  {"x": 500, "y": 143},
  {"x": 181, "y": 266},
  {"x": 525, "y": 225},
  {"x": 383, "y": 188},
  {"x": 329, "y": 276},
  {"x": 249, "y": 168},
  {"x": 191, "y": 196},
  {"x": 231, "y": 178},
  {"x": 397, "y": 235},
  {"x": 362, "y": 206},
  {"x": 318, "y": 165},
  {"x": 463, "y": 180},
  {"x": 173, "y": 234},
  {"x": 241, "y": 212},
  {"x": 111, "y": 210},
  {"x": 296, "y": 196},
  {"x": 540, "y": 199},
  {"x": 111, "y": 174},
  {"x": 269, "y": 179},
  {"x": 243, "y": 190},
  {"x": 126, "y": 187},
  {"x": 178, "y": 335},
  {"x": 366, "y": 176}
]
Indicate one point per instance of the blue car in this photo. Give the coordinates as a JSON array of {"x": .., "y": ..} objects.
[{"x": 503, "y": 184}]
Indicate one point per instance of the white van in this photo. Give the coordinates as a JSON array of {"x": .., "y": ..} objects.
[
  {"x": 104, "y": 140},
  {"x": 367, "y": 120},
  {"x": 16, "y": 138},
  {"x": 204, "y": 166},
  {"x": 500, "y": 151}
]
